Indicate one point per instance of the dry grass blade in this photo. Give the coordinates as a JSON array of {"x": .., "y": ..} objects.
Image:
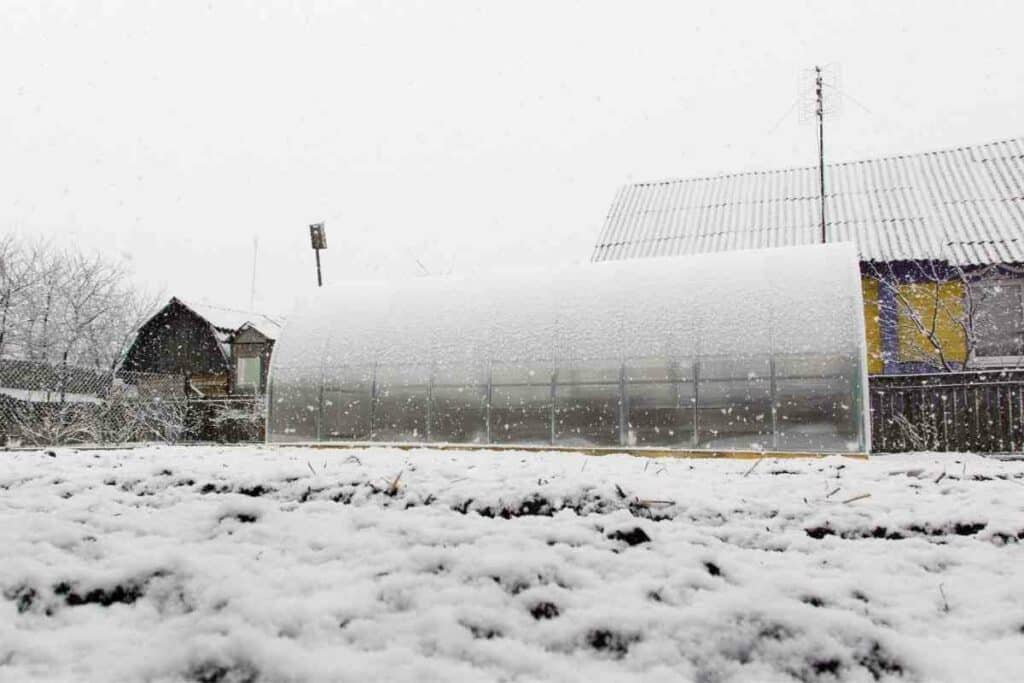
[
  {"x": 392, "y": 489},
  {"x": 941, "y": 477},
  {"x": 856, "y": 498},
  {"x": 310, "y": 468},
  {"x": 649, "y": 502},
  {"x": 833, "y": 492},
  {"x": 756, "y": 463}
]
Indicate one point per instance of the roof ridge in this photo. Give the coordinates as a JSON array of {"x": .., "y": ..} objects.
[
  {"x": 793, "y": 169},
  {"x": 243, "y": 311}
]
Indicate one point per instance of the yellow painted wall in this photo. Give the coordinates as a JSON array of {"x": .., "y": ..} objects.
[
  {"x": 939, "y": 305},
  {"x": 872, "y": 326}
]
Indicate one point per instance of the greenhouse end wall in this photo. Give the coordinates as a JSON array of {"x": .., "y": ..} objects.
[{"x": 750, "y": 351}]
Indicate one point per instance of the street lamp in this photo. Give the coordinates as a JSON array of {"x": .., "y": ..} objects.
[{"x": 318, "y": 238}]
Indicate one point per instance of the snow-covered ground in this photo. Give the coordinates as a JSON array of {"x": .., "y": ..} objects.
[{"x": 286, "y": 564}]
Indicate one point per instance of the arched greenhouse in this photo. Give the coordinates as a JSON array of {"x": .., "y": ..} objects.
[{"x": 745, "y": 351}]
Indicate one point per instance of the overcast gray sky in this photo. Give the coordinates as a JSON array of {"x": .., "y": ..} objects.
[{"x": 464, "y": 134}]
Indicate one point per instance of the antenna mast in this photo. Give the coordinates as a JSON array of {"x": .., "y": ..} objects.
[
  {"x": 252, "y": 288},
  {"x": 820, "y": 113}
]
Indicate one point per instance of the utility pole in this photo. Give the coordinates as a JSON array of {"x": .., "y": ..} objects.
[{"x": 820, "y": 113}]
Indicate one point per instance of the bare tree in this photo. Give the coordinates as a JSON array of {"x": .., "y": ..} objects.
[
  {"x": 71, "y": 311},
  {"x": 19, "y": 273},
  {"x": 67, "y": 307},
  {"x": 937, "y": 302}
]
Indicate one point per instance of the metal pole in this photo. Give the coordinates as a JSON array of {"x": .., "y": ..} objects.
[
  {"x": 252, "y": 288},
  {"x": 319, "y": 277},
  {"x": 554, "y": 398},
  {"x": 821, "y": 145},
  {"x": 487, "y": 408}
]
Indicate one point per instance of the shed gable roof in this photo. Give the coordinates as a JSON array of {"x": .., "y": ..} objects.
[
  {"x": 228, "y": 321},
  {"x": 964, "y": 205}
]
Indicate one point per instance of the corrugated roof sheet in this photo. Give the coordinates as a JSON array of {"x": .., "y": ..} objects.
[
  {"x": 964, "y": 205},
  {"x": 229, "y": 320}
]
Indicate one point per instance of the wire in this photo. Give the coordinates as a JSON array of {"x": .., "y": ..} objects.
[
  {"x": 789, "y": 111},
  {"x": 850, "y": 97}
]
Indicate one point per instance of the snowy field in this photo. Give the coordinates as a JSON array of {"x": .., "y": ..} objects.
[{"x": 284, "y": 564}]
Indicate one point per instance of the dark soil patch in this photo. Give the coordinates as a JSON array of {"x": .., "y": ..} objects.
[
  {"x": 826, "y": 666},
  {"x": 23, "y": 596},
  {"x": 774, "y": 631},
  {"x": 544, "y": 610},
  {"x": 912, "y": 531},
  {"x": 879, "y": 662},
  {"x": 612, "y": 642},
  {"x": 819, "y": 532},
  {"x": 215, "y": 672},
  {"x": 255, "y": 491},
  {"x": 534, "y": 506},
  {"x": 125, "y": 593},
  {"x": 712, "y": 569},
  {"x": 483, "y": 632},
  {"x": 634, "y": 536}
]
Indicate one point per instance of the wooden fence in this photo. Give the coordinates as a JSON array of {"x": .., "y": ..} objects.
[{"x": 981, "y": 412}]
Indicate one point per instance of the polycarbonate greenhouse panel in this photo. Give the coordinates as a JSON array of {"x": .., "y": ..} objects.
[{"x": 751, "y": 350}]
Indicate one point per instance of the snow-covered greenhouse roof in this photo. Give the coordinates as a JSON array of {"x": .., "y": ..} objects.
[
  {"x": 963, "y": 205},
  {"x": 745, "y": 350}
]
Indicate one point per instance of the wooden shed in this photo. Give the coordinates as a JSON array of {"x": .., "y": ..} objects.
[{"x": 218, "y": 352}]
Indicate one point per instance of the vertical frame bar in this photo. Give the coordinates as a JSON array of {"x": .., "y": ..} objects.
[
  {"x": 623, "y": 412},
  {"x": 771, "y": 398},
  {"x": 695, "y": 440},
  {"x": 373, "y": 401},
  {"x": 487, "y": 408},
  {"x": 554, "y": 383},
  {"x": 430, "y": 401}
]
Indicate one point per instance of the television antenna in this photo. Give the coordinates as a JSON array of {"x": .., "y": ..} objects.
[{"x": 814, "y": 109}]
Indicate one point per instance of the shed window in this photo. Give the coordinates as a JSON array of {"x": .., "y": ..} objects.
[
  {"x": 999, "y": 318},
  {"x": 249, "y": 373}
]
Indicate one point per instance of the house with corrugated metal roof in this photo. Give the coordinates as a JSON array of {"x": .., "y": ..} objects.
[{"x": 940, "y": 237}]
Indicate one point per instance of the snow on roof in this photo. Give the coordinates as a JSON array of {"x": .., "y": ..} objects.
[
  {"x": 227, "y": 321},
  {"x": 964, "y": 205}
]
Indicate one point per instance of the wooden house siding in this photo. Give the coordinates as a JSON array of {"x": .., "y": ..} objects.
[{"x": 177, "y": 341}]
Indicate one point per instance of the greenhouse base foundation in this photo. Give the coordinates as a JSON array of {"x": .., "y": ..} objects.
[{"x": 584, "y": 450}]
